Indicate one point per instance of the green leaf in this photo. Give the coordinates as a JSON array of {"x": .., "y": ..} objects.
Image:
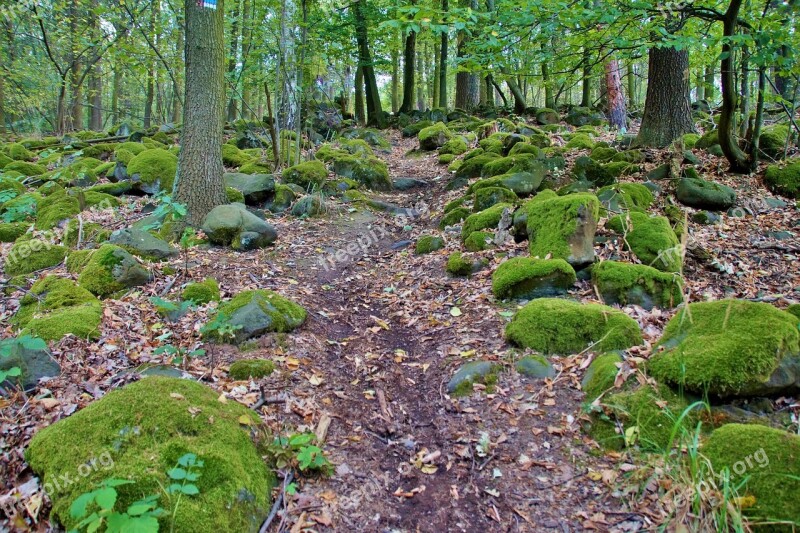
[
  {"x": 177, "y": 473},
  {"x": 300, "y": 439},
  {"x": 78, "y": 507},
  {"x": 190, "y": 490},
  {"x": 187, "y": 459},
  {"x": 106, "y": 498}
]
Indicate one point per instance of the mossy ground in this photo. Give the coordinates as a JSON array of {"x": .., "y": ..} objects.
[
  {"x": 144, "y": 428},
  {"x": 724, "y": 347},
  {"x": 555, "y": 326},
  {"x": 251, "y": 368}
]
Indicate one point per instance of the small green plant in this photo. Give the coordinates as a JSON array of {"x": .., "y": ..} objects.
[
  {"x": 96, "y": 508},
  {"x": 21, "y": 211},
  {"x": 169, "y": 309},
  {"x": 299, "y": 452},
  {"x": 9, "y": 347},
  {"x": 221, "y": 328},
  {"x": 180, "y": 356},
  {"x": 183, "y": 475},
  {"x": 167, "y": 209}
]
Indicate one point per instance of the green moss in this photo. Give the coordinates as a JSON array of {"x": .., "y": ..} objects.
[
  {"x": 233, "y": 157},
  {"x": 784, "y": 180},
  {"x": 690, "y": 140},
  {"x": 709, "y": 139},
  {"x": 555, "y": 326},
  {"x": 32, "y": 255},
  {"x": 455, "y": 146},
  {"x": 285, "y": 314},
  {"x": 490, "y": 196},
  {"x": 458, "y": 265},
  {"x": 77, "y": 260},
  {"x": 92, "y": 232},
  {"x": 525, "y": 148},
  {"x": 4, "y": 160},
  {"x": 434, "y": 136},
  {"x": 413, "y": 129},
  {"x": 369, "y": 171},
  {"x": 617, "y": 169},
  {"x": 525, "y": 277},
  {"x": 113, "y": 189},
  {"x": 255, "y": 167},
  {"x": 473, "y": 167},
  {"x": 580, "y": 141},
  {"x": 600, "y": 375},
  {"x": 202, "y": 292},
  {"x": 478, "y": 241},
  {"x": 602, "y": 154},
  {"x": 234, "y": 195},
  {"x": 726, "y": 347},
  {"x": 486, "y": 219},
  {"x": 454, "y": 216},
  {"x": 547, "y": 116},
  {"x": 25, "y": 168},
  {"x": 458, "y": 202},
  {"x": 124, "y": 156},
  {"x": 625, "y": 197},
  {"x": 155, "y": 166},
  {"x": 143, "y": 429},
  {"x": 629, "y": 156},
  {"x": 773, "y": 141},
  {"x": 54, "y": 307},
  {"x": 428, "y": 243},
  {"x": 132, "y": 147},
  {"x": 10, "y": 184},
  {"x": 511, "y": 164},
  {"x": 100, "y": 274},
  {"x": 309, "y": 175},
  {"x": 18, "y": 152},
  {"x": 626, "y": 284},
  {"x": 56, "y": 208},
  {"x": 559, "y": 225},
  {"x": 794, "y": 309},
  {"x": 244, "y": 369},
  {"x": 446, "y": 159},
  {"x": 650, "y": 238},
  {"x": 12, "y": 231}
]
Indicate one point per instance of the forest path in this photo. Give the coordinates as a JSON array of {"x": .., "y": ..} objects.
[{"x": 382, "y": 342}]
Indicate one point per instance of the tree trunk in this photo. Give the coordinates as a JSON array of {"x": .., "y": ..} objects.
[
  {"x": 437, "y": 69},
  {"x": 549, "y": 100},
  {"x": 176, "y": 87},
  {"x": 708, "y": 82},
  {"x": 701, "y": 85},
  {"x": 740, "y": 161},
  {"x": 287, "y": 96},
  {"x": 151, "y": 75},
  {"x": 409, "y": 60},
  {"x": 586, "y": 89},
  {"x": 617, "y": 111},
  {"x": 360, "y": 113},
  {"x": 443, "y": 63},
  {"x": 519, "y": 98},
  {"x": 247, "y": 43},
  {"x": 667, "y": 113},
  {"x": 421, "y": 81},
  {"x": 96, "y": 98},
  {"x": 233, "y": 108},
  {"x": 199, "y": 182},
  {"x": 374, "y": 111},
  {"x": 395, "y": 80}
]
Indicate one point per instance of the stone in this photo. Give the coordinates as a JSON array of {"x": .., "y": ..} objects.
[
  {"x": 310, "y": 205},
  {"x": 143, "y": 244},
  {"x": 406, "y": 184},
  {"x": 254, "y": 313},
  {"x": 526, "y": 278},
  {"x": 472, "y": 372},
  {"x": 535, "y": 366},
  {"x": 434, "y": 137},
  {"x": 627, "y": 284},
  {"x": 111, "y": 269},
  {"x": 256, "y": 188},
  {"x": 33, "y": 359},
  {"x": 587, "y": 169},
  {"x": 651, "y": 238},
  {"x": 225, "y": 222},
  {"x": 703, "y": 194},
  {"x": 563, "y": 226}
]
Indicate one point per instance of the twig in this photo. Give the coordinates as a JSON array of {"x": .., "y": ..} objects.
[{"x": 275, "y": 506}]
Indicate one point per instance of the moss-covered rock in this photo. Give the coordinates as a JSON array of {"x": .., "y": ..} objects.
[
  {"x": 527, "y": 278},
  {"x": 54, "y": 307},
  {"x": 412, "y": 130},
  {"x": 256, "y": 167},
  {"x": 625, "y": 197},
  {"x": 690, "y": 140},
  {"x": 535, "y": 366},
  {"x": 709, "y": 139},
  {"x": 703, "y": 194},
  {"x": 794, "y": 309},
  {"x": 600, "y": 375},
  {"x": 473, "y": 167},
  {"x": 589, "y": 170},
  {"x": 202, "y": 292},
  {"x": 142, "y": 244},
  {"x": 784, "y": 180},
  {"x": 651, "y": 238},
  {"x": 244, "y": 369},
  {"x": 111, "y": 269},
  {"x": 556, "y": 326},
  {"x": 728, "y": 348},
  {"x": 470, "y": 373},
  {"x": 563, "y": 226},
  {"x": 284, "y": 196},
  {"x": 521, "y": 183},
  {"x": 12, "y": 231},
  {"x": 309, "y": 175},
  {"x": 545, "y": 116},
  {"x": 54, "y": 209},
  {"x": 767, "y": 462},
  {"x": 486, "y": 219},
  {"x": 428, "y": 243},
  {"x": 434, "y": 137},
  {"x": 153, "y": 170},
  {"x": 454, "y": 216},
  {"x": 370, "y": 171},
  {"x": 31, "y": 255},
  {"x": 18, "y": 152},
  {"x": 579, "y": 141},
  {"x": 584, "y": 116},
  {"x": 511, "y": 164},
  {"x": 25, "y": 168},
  {"x": 139, "y": 432},
  {"x": 627, "y": 284},
  {"x": 226, "y": 223},
  {"x": 774, "y": 141},
  {"x": 256, "y": 188},
  {"x": 10, "y": 186},
  {"x": 254, "y": 313},
  {"x": 89, "y": 232},
  {"x": 455, "y": 146},
  {"x": 458, "y": 265},
  {"x": 310, "y": 205},
  {"x": 602, "y": 154},
  {"x": 489, "y": 196},
  {"x": 478, "y": 241},
  {"x": 233, "y": 156}
]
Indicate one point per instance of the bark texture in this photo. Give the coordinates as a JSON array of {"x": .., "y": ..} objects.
[{"x": 617, "y": 110}]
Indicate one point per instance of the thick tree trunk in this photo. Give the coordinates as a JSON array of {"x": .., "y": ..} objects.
[
  {"x": 586, "y": 89},
  {"x": 233, "y": 108},
  {"x": 421, "y": 81},
  {"x": 359, "y": 110},
  {"x": 409, "y": 60},
  {"x": 287, "y": 65},
  {"x": 443, "y": 63},
  {"x": 708, "y": 82},
  {"x": 437, "y": 67},
  {"x": 374, "y": 110},
  {"x": 617, "y": 110},
  {"x": 519, "y": 98},
  {"x": 96, "y": 98},
  {"x": 395, "y": 80},
  {"x": 667, "y": 113},
  {"x": 740, "y": 162},
  {"x": 176, "y": 87},
  {"x": 199, "y": 183}
]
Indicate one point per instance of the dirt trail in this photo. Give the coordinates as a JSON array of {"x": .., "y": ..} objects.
[{"x": 409, "y": 458}]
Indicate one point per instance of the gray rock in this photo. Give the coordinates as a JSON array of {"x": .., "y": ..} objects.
[
  {"x": 470, "y": 373},
  {"x": 225, "y": 222},
  {"x": 309, "y": 206},
  {"x": 535, "y": 366},
  {"x": 706, "y": 217},
  {"x": 256, "y": 188},
  {"x": 129, "y": 272},
  {"x": 35, "y": 363},
  {"x": 526, "y": 183},
  {"x": 405, "y": 184},
  {"x": 703, "y": 194},
  {"x": 144, "y": 243}
]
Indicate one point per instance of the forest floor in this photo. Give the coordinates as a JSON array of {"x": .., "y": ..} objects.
[{"x": 386, "y": 331}]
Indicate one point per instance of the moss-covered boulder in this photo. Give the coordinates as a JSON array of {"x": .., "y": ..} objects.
[
  {"x": 458, "y": 265},
  {"x": 579, "y": 141},
  {"x": 546, "y": 116},
  {"x": 703, "y": 194},
  {"x": 309, "y": 175},
  {"x": 730, "y": 348},
  {"x": 139, "y": 433},
  {"x": 627, "y": 284},
  {"x": 428, "y": 243},
  {"x": 650, "y": 238},
  {"x": 489, "y": 196},
  {"x": 535, "y": 366},
  {"x": 589, "y": 170},
  {"x": 622, "y": 197},
  {"x": 600, "y": 375},
  {"x": 473, "y": 167},
  {"x": 153, "y": 171},
  {"x": 582, "y": 116},
  {"x": 470, "y": 373},
  {"x": 526, "y": 278},
  {"x": 434, "y": 137},
  {"x": 478, "y": 241},
  {"x": 24, "y": 168},
  {"x": 202, "y": 292},
  {"x": 774, "y": 141},
  {"x": 454, "y": 216},
  {"x": 310, "y": 205},
  {"x": 256, "y": 188},
  {"x": 766, "y": 461},
  {"x": 254, "y": 313},
  {"x": 10, "y": 232},
  {"x": 225, "y": 224},
  {"x": 511, "y": 164},
  {"x": 369, "y": 171},
  {"x": 111, "y": 269},
  {"x": 54, "y": 307},
  {"x": 707, "y": 140},
  {"x": 556, "y": 326},
  {"x": 244, "y": 369},
  {"x": 9, "y": 188},
  {"x": 455, "y": 146},
  {"x": 142, "y": 244},
  {"x": 31, "y": 356},
  {"x": 486, "y": 219},
  {"x": 282, "y": 200},
  {"x": 30, "y": 255},
  {"x": 233, "y": 156},
  {"x": 563, "y": 226},
  {"x": 784, "y": 180},
  {"x": 89, "y": 232}
]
